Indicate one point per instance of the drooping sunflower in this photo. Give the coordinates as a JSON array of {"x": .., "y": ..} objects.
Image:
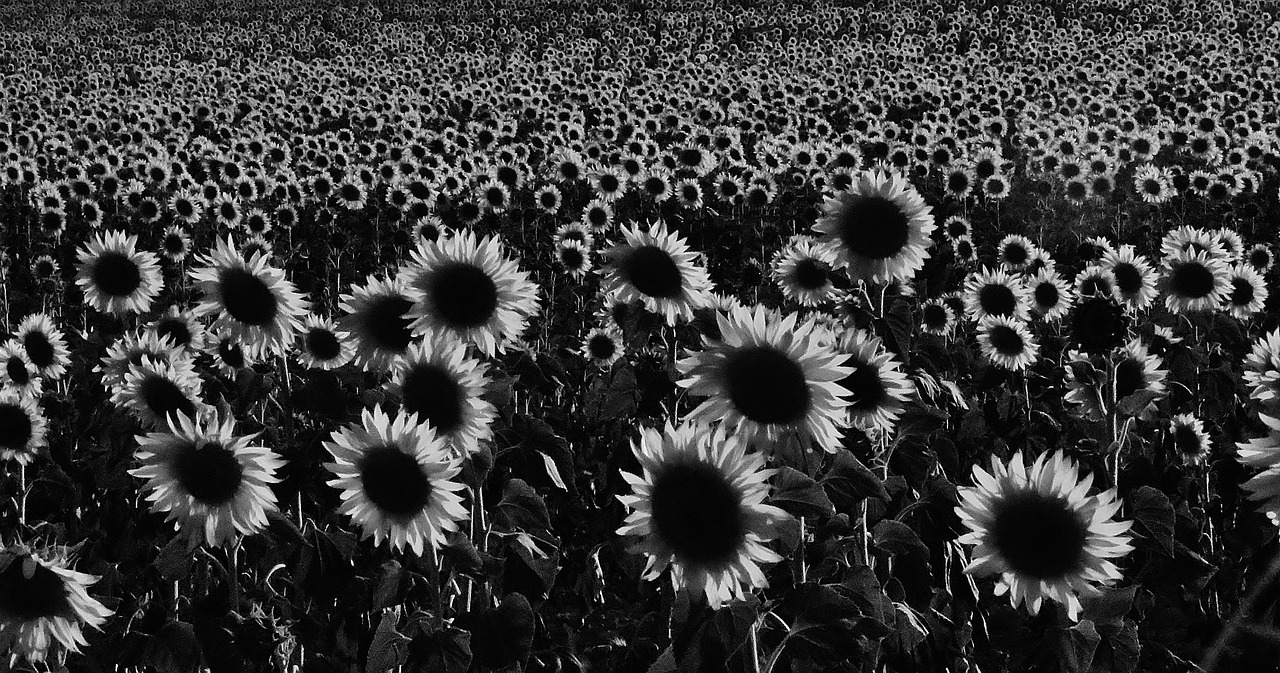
[
  {"x": 803, "y": 269},
  {"x": 22, "y": 427},
  {"x": 770, "y": 379},
  {"x": 878, "y": 388},
  {"x": 995, "y": 292},
  {"x": 117, "y": 277},
  {"x": 1194, "y": 281},
  {"x": 397, "y": 479},
  {"x": 44, "y": 605},
  {"x": 214, "y": 485},
  {"x": 657, "y": 268},
  {"x": 1040, "y": 531},
  {"x": 377, "y": 314},
  {"x": 249, "y": 299},
  {"x": 466, "y": 287},
  {"x": 699, "y": 508},
  {"x": 438, "y": 381},
  {"x": 1007, "y": 343},
  {"x": 879, "y": 228},
  {"x": 322, "y": 345},
  {"x": 44, "y": 345}
]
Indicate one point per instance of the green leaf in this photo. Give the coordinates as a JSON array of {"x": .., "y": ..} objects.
[
  {"x": 920, "y": 420},
  {"x": 173, "y": 649},
  {"x": 504, "y": 635},
  {"x": 1133, "y": 405},
  {"x": 849, "y": 482},
  {"x": 1119, "y": 650},
  {"x": 895, "y": 537},
  {"x": 174, "y": 560},
  {"x": 1110, "y": 606},
  {"x": 521, "y": 509},
  {"x": 1077, "y": 645},
  {"x": 800, "y": 495},
  {"x": 391, "y": 586},
  {"x": 445, "y": 651},
  {"x": 1152, "y": 510},
  {"x": 388, "y": 649}
]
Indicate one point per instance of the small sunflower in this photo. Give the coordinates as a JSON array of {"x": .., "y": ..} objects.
[
  {"x": 1041, "y": 533},
  {"x": 17, "y": 373},
  {"x": 398, "y": 480},
  {"x": 44, "y": 345},
  {"x": 603, "y": 345},
  {"x": 322, "y": 345},
  {"x": 657, "y": 268},
  {"x": 1135, "y": 278},
  {"x": 878, "y": 389},
  {"x": 937, "y": 318},
  {"x": 1051, "y": 295},
  {"x": 1016, "y": 252},
  {"x": 22, "y": 427},
  {"x": 1247, "y": 293},
  {"x": 1007, "y": 343},
  {"x": 1188, "y": 439},
  {"x": 466, "y": 287},
  {"x": 995, "y": 292},
  {"x": 803, "y": 270},
  {"x": 880, "y": 228},
  {"x": 699, "y": 508},
  {"x": 155, "y": 391},
  {"x": 575, "y": 258},
  {"x": 439, "y": 382},
  {"x": 132, "y": 349},
  {"x": 769, "y": 378},
  {"x": 44, "y": 605},
  {"x": 213, "y": 484},
  {"x": 181, "y": 329},
  {"x": 116, "y": 276}
]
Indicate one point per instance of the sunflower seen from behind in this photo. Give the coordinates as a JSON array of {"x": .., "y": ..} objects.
[{"x": 699, "y": 507}]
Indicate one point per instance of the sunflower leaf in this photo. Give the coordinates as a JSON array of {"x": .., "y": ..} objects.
[
  {"x": 388, "y": 650},
  {"x": 1077, "y": 647},
  {"x": 849, "y": 482},
  {"x": 797, "y": 493},
  {"x": 1133, "y": 405},
  {"x": 895, "y": 537},
  {"x": 1152, "y": 510}
]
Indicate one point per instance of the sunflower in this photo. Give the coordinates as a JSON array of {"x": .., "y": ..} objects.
[
  {"x": 1135, "y": 278},
  {"x": 1248, "y": 292},
  {"x": 377, "y": 314},
  {"x": 878, "y": 389},
  {"x": 1098, "y": 324},
  {"x": 1131, "y": 369},
  {"x": 227, "y": 354},
  {"x": 597, "y": 215},
  {"x": 44, "y": 605},
  {"x": 214, "y": 485},
  {"x": 1051, "y": 295},
  {"x": 155, "y": 391},
  {"x": 17, "y": 373},
  {"x": 322, "y": 345},
  {"x": 1016, "y": 252},
  {"x": 937, "y": 318},
  {"x": 1264, "y": 452},
  {"x": 22, "y": 427},
  {"x": 1188, "y": 439},
  {"x": 657, "y": 268},
  {"x": 880, "y": 228},
  {"x": 181, "y": 329},
  {"x": 575, "y": 258},
  {"x": 444, "y": 387},
  {"x": 803, "y": 269},
  {"x": 1194, "y": 281},
  {"x": 1007, "y": 343},
  {"x": 578, "y": 233},
  {"x": 251, "y": 299},
  {"x": 467, "y": 288},
  {"x": 176, "y": 243},
  {"x": 995, "y": 292},
  {"x": 1260, "y": 257},
  {"x": 397, "y": 479},
  {"x": 1039, "y": 530},
  {"x": 44, "y": 345},
  {"x": 769, "y": 378},
  {"x": 131, "y": 349},
  {"x": 699, "y": 508},
  {"x": 1095, "y": 280},
  {"x": 603, "y": 345},
  {"x": 116, "y": 276},
  {"x": 1261, "y": 372}
]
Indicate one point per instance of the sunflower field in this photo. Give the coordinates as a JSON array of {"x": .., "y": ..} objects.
[{"x": 774, "y": 336}]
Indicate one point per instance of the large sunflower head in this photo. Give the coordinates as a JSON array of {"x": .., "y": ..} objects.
[
  {"x": 699, "y": 507},
  {"x": 444, "y": 386},
  {"x": 117, "y": 277},
  {"x": 249, "y": 298},
  {"x": 377, "y": 314},
  {"x": 1041, "y": 532},
  {"x": 880, "y": 228},
  {"x": 44, "y": 605},
  {"x": 657, "y": 267}
]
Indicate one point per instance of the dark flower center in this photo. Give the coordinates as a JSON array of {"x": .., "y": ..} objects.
[
  {"x": 1097, "y": 325},
  {"x": 874, "y": 227},
  {"x": 175, "y": 330},
  {"x": 247, "y": 298},
  {"x": 432, "y": 392},
  {"x": 1192, "y": 280},
  {"x": 810, "y": 274},
  {"x": 385, "y": 323},
  {"x": 1130, "y": 377},
  {"x": 44, "y": 594},
  {"x": 1128, "y": 278},
  {"x": 163, "y": 397},
  {"x": 1095, "y": 286},
  {"x": 115, "y": 275},
  {"x": 16, "y": 369},
  {"x": 934, "y": 316},
  {"x": 463, "y": 295},
  {"x": 697, "y": 513},
  {"x": 1186, "y": 441},
  {"x": 1047, "y": 295},
  {"x": 174, "y": 244},
  {"x": 766, "y": 386},
  {"x": 1015, "y": 254},
  {"x": 323, "y": 344},
  {"x": 210, "y": 473},
  {"x": 394, "y": 482},
  {"x": 867, "y": 388},
  {"x": 653, "y": 272},
  {"x": 1242, "y": 294},
  {"x": 15, "y": 427},
  {"x": 1039, "y": 536},
  {"x": 572, "y": 258},
  {"x": 39, "y": 348},
  {"x": 997, "y": 299},
  {"x": 1006, "y": 340},
  {"x": 602, "y": 346}
]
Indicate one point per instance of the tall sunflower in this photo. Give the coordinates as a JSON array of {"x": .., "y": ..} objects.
[
  {"x": 466, "y": 287},
  {"x": 1194, "y": 281},
  {"x": 249, "y": 298},
  {"x": 44, "y": 605},
  {"x": 214, "y": 484},
  {"x": 880, "y": 228},
  {"x": 699, "y": 508},
  {"x": 444, "y": 386},
  {"x": 397, "y": 478},
  {"x": 657, "y": 267},
  {"x": 769, "y": 378},
  {"x": 1040, "y": 531},
  {"x": 117, "y": 277}
]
